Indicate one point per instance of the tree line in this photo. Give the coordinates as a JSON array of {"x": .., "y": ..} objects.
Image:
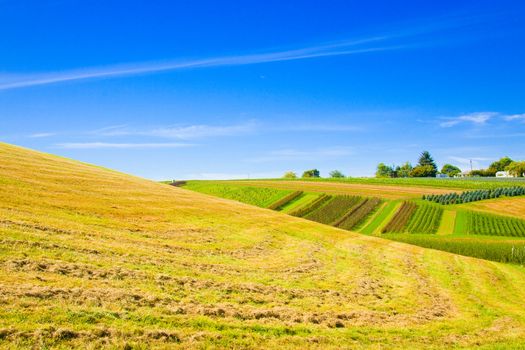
[
  {"x": 426, "y": 167},
  {"x": 313, "y": 173}
]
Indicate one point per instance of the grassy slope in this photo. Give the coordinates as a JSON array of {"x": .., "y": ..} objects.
[{"x": 93, "y": 258}]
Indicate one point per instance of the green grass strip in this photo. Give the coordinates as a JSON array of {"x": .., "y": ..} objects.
[
  {"x": 384, "y": 213},
  {"x": 448, "y": 223},
  {"x": 317, "y": 203},
  {"x": 300, "y": 202},
  {"x": 286, "y": 199}
]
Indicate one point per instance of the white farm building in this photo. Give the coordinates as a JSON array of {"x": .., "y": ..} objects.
[{"x": 504, "y": 174}]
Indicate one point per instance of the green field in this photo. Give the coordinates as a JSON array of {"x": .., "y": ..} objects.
[
  {"x": 95, "y": 259},
  {"x": 261, "y": 197}
]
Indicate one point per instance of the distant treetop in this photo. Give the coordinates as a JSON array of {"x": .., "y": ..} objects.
[
  {"x": 311, "y": 173},
  {"x": 290, "y": 175}
]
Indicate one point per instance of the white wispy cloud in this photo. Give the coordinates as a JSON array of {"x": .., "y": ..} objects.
[
  {"x": 103, "y": 145},
  {"x": 341, "y": 48},
  {"x": 292, "y": 154},
  {"x": 479, "y": 118},
  {"x": 184, "y": 132},
  {"x": 42, "y": 135},
  {"x": 519, "y": 117}
]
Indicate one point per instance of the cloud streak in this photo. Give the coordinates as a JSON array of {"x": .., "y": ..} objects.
[
  {"x": 185, "y": 132},
  {"x": 479, "y": 118},
  {"x": 110, "y": 145},
  {"x": 342, "y": 48}
]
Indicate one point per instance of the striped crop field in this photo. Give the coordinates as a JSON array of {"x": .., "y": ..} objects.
[
  {"x": 426, "y": 219},
  {"x": 401, "y": 218},
  {"x": 312, "y": 206},
  {"x": 333, "y": 209},
  {"x": 299, "y": 202},
  {"x": 380, "y": 218},
  {"x": 357, "y": 215},
  {"x": 493, "y": 225}
]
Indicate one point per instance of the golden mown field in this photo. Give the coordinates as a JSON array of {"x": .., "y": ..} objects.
[{"x": 92, "y": 258}]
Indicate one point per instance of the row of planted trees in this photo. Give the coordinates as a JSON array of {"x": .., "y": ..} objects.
[{"x": 473, "y": 196}]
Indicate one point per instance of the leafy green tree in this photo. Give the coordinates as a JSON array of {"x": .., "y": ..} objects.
[
  {"x": 384, "y": 170},
  {"x": 501, "y": 164},
  {"x": 336, "y": 174},
  {"x": 423, "y": 171},
  {"x": 516, "y": 168},
  {"x": 311, "y": 173},
  {"x": 404, "y": 170},
  {"x": 450, "y": 170},
  {"x": 290, "y": 175},
  {"x": 483, "y": 172}
]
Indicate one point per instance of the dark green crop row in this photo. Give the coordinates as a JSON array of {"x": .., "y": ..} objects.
[
  {"x": 401, "y": 218},
  {"x": 492, "y": 225},
  {"x": 358, "y": 214},
  {"x": 473, "y": 196},
  {"x": 426, "y": 219},
  {"x": 285, "y": 200},
  {"x": 305, "y": 210},
  {"x": 333, "y": 209}
]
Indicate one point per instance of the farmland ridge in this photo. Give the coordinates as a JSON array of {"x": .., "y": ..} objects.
[{"x": 93, "y": 258}]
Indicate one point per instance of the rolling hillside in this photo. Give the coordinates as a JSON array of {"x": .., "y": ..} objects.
[{"x": 93, "y": 258}]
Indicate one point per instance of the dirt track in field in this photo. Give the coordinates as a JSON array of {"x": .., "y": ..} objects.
[{"x": 388, "y": 192}]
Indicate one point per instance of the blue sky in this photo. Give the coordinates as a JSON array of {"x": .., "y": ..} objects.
[{"x": 206, "y": 89}]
